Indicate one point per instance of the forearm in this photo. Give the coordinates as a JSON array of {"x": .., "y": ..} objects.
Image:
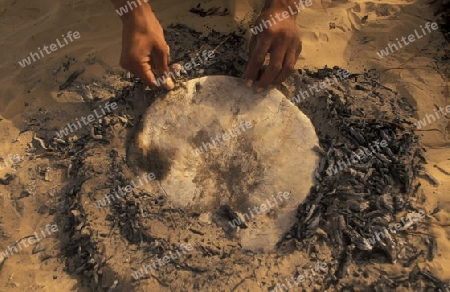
[
  {"x": 119, "y": 3},
  {"x": 280, "y": 3},
  {"x": 131, "y": 8}
]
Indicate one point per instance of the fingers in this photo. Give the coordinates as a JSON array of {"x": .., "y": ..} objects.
[
  {"x": 154, "y": 71},
  {"x": 251, "y": 52},
  {"x": 283, "y": 56},
  {"x": 258, "y": 51},
  {"x": 160, "y": 64},
  {"x": 277, "y": 56},
  {"x": 142, "y": 71},
  {"x": 289, "y": 63},
  {"x": 147, "y": 76}
]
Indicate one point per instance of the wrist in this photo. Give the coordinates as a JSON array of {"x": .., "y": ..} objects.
[
  {"x": 136, "y": 9},
  {"x": 279, "y": 4},
  {"x": 272, "y": 7}
]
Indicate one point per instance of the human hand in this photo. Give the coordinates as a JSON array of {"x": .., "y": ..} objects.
[
  {"x": 281, "y": 40},
  {"x": 144, "y": 50}
]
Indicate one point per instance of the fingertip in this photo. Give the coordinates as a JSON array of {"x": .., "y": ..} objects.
[
  {"x": 169, "y": 85},
  {"x": 147, "y": 77},
  {"x": 259, "y": 89},
  {"x": 249, "y": 83},
  {"x": 176, "y": 68}
]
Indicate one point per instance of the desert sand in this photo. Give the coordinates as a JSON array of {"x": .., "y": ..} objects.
[{"x": 47, "y": 176}]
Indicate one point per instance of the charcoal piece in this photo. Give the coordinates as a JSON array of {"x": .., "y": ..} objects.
[
  {"x": 432, "y": 249},
  {"x": 345, "y": 262},
  {"x": 226, "y": 212},
  {"x": 438, "y": 282},
  {"x": 389, "y": 153},
  {"x": 211, "y": 11},
  {"x": 360, "y": 242},
  {"x": 382, "y": 158},
  {"x": 357, "y": 135},
  {"x": 71, "y": 79},
  {"x": 7, "y": 179},
  {"x": 356, "y": 174},
  {"x": 429, "y": 177}
]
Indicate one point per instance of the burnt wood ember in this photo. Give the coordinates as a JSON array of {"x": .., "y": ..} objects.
[{"x": 357, "y": 203}]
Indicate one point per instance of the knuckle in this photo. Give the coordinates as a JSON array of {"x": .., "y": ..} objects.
[
  {"x": 162, "y": 48},
  {"x": 276, "y": 67},
  {"x": 284, "y": 34},
  {"x": 127, "y": 63},
  {"x": 259, "y": 58},
  {"x": 272, "y": 33}
]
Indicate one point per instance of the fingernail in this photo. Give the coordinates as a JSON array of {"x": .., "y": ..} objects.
[
  {"x": 249, "y": 83},
  {"x": 169, "y": 84},
  {"x": 259, "y": 89},
  {"x": 177, "y": 69}
]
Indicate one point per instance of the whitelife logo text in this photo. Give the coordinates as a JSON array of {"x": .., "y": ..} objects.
[
  {"x": 319, "y": 86},
  {"x": 132, "y": 4},
  {"x": 120, "y": 190},
  {"x": 280, "y": 16},
  {"x": 192, "y": 64},
  {"x": 225, "y": 137},
  {"x": 437, "y": 113},
  {"x": 261, "y": 210},
  {"x": 53, "y": 47},
  {"x": 86, "y": 120},
  {"x": 154, "y": 266},
  {"x": 411, "y": 38},
  {"x": 29, "y": 241}
]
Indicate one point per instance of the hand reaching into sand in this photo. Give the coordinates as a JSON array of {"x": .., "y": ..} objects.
[
  {"x": 144, "y": 50},
  {"x": 279, "y": 37}
]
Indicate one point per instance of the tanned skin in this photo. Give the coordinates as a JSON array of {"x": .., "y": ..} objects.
[{"x": 145, "y": 52}]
